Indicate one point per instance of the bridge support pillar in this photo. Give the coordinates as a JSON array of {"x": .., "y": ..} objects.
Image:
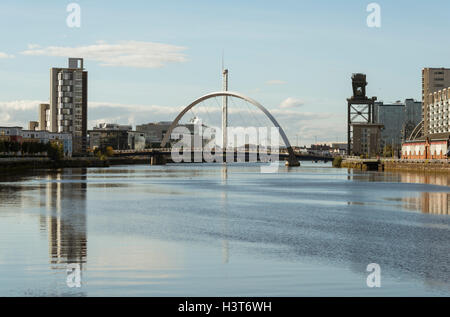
[
  {"x": 158, "y": 159},
  {"x": 292, "y": 159}
]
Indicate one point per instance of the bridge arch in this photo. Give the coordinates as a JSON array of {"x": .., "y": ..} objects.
[{"x": 292, "y": 157}]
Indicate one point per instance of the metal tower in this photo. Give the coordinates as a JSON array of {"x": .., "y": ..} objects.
[{"x": 360, "y": 108}]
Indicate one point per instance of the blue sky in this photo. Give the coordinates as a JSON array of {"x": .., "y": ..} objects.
[{"x": 294, "y": 57}]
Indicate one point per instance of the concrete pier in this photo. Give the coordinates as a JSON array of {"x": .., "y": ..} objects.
[{"x": 158, "y": 159}]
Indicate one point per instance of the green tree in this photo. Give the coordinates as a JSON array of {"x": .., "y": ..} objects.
[
  {"x": 109, "y": 151},
  {"x": 387, "y": 151},
  {"x": 337, "y": 161},
  {"x": 55, "y": 151}
]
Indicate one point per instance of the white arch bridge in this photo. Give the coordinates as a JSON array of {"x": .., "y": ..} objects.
[{"x": 291, "y": 159}]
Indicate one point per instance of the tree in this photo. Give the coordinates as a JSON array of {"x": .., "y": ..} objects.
[
  {"x": 387, "y": 151},
  {"x": 337, "y": 161},
  {"x": 109, "y": 151},
  {"x": 55, "y": 151}
]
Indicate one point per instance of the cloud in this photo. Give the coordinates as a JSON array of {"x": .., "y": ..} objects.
[
  {"x": 308, "y": 125},
  {"x": 123, "y": 54},
  {"x": 4, "y": 55},
  {"x": 20, "y": 105},
  {"x": 291, "y": 103},
  {"x": 18, "y": 112},
  {"x": 276, "y": 82},
  {"x": 33, "y": 46}
]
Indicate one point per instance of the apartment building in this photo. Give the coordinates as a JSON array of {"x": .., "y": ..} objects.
[
  {"x": 433, "y": 80},
  {"x": 68, "y": 103}
]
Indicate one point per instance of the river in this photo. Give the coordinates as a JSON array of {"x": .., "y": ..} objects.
[{"x": 206, "y": 230}]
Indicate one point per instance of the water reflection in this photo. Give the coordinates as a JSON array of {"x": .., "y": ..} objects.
[
  {"x": 437, "y": 202},
  {"x": 430, "y": 203},
  {"x": 224, "y": 201},
  {"x": 159, "y": 245},
  {"x": 64, "y": 196}
]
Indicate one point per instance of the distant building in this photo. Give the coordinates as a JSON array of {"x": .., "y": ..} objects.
[
  {"x": 438, "y": 113},
  {"x": 360, "y": 112},
  {"x": 426, "y": 149},
  {"x": 391, "y": 116},
  {"x": 68, "y": 103},
  {"x": 33, "y": 125},
  {"x": 44, "y": 117},
  {"x": 136, "y": 140},
  {"x": 339, "y": 148},
  {"x": 433, "y": 142},
  {"x": 399, "y": 120},
  {"x": 433, "y": 80},
  {"x": 366, "y": 139},
  {"x": 155, "y": 132},
  {"x": 413, "y": 117},
  {"x": 17, "y": 134},
  {"x": 109, "y": 134},
  {"x": 11, "y": 134},
  {"x": 113, "y": 126}
]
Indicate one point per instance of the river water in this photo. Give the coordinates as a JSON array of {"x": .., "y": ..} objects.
[{"x": 203, "y": 230}]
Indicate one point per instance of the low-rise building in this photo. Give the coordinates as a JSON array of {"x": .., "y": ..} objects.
[
  {"x": 426, "y": 149},
  {"x": 17, "y": 134},
  {"x": 398, "y": 119},
  {"x": 11, "y": 134},
  {"x": 155, "y": 132},
  {"x": 339, "y": 148},
  {"x": 136, "y": 140},
  {"x": 366, "y": 139},
  {"x": 119, "y": 137}
]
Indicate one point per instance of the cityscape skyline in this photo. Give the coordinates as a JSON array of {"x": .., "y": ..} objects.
[{"x": 284, "y": 68}]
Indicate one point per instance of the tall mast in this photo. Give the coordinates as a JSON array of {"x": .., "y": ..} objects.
[{"x": 225, "y": 110}]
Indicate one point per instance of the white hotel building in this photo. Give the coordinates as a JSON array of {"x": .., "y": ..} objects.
[{"x": 439, "y": 112}]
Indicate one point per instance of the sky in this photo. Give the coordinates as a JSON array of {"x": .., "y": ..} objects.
[{"x": 149, "y": 59}]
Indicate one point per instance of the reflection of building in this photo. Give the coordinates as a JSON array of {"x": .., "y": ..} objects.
[
  {"x": 65, "y": 220},
  {"x": 68, "y": 102},
  {"x": 433, "y": 203}
]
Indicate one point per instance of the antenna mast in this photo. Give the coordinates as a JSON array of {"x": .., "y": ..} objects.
[{"x": 224, "y": 107}]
